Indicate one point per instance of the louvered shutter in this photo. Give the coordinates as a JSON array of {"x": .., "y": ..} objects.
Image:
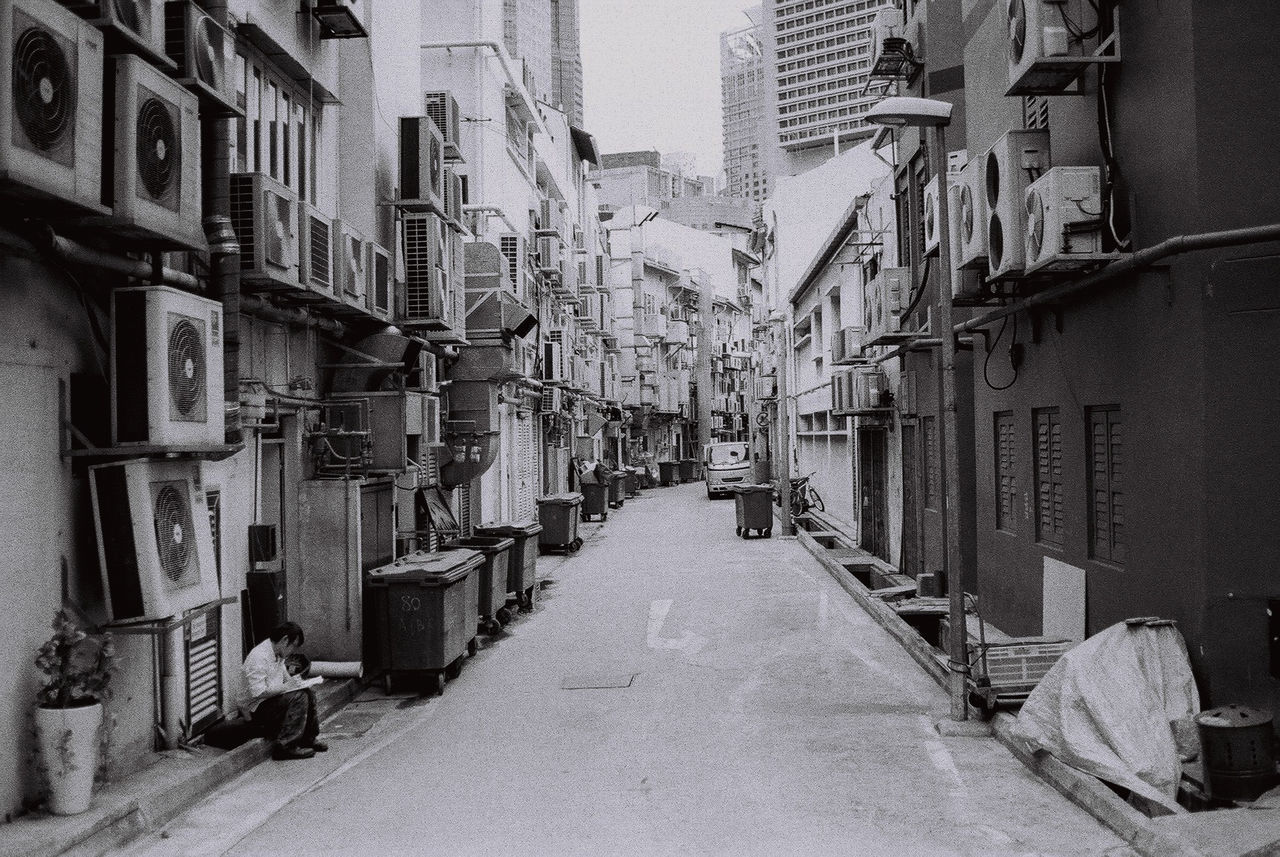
[
  {"x": 1106, "y": 530},
  {"x": 1006, "y": 481},
  {"x": 528, "y": 469},
  {"x": 1049, "y": 494}
]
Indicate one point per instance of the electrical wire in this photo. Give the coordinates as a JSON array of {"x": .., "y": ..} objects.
[{"x": 987, "y": 360}]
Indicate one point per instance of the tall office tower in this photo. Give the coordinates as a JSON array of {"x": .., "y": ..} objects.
[
  {"x": 746, "y": 131},
  {"x": 566, "y": 59},
  {"x": 526, "y": 34},
  {"x": 819, "y": 52}
]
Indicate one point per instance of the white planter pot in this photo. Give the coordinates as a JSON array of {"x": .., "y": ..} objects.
[{"x": 68, "y": 740}]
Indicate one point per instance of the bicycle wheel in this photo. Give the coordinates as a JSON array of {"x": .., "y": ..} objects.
[
  {"x": 797, "y": 504},
  {"x": 815, "y": 500}
]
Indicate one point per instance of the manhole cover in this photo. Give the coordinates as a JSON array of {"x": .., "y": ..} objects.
[
  {"x": 597, "y": 682},
  {"x": 350, "y": 724}
]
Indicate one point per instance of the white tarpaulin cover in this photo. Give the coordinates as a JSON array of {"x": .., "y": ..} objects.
[{"x": 1106, "y": 708}]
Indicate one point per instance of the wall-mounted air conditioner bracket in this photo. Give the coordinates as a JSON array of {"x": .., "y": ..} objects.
[{"x": 1054, "y": 75}]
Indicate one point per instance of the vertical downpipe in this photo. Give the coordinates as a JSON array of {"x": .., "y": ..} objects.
[{"x": 224, "y": 250}]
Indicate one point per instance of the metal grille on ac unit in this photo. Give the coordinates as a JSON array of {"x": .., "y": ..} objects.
[{"x": 204, "y": 672}]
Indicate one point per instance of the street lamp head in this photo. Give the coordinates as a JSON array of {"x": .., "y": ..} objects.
[{"x": 903, "y": 111}]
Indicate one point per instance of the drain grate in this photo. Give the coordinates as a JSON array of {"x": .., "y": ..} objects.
[{"x": 597, "y": 682}]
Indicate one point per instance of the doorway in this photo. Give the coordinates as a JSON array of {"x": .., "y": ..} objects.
[
  {"x": 873, "y": 491},
  {"x": 912, "y": 561}
]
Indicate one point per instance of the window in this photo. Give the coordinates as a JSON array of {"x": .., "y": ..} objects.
[
  {"x": 932, "y": 464},
  {"x": 1006, "y": 471},
  {"x": 1106, "y": 499},
  {"x": 279, "y": 132},
  {"x": 1049, "y": 504}
]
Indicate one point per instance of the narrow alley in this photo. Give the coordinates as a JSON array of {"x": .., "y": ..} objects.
[{"x": 677, "y": 690}]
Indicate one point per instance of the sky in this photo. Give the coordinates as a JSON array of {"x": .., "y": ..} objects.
[{"x": 651, "y": 74}]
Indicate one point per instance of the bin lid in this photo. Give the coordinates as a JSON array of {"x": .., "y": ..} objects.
[
  {"x": 429, "y": 569},
  {"x": 1233, "y": 717},
  {"x": 510, "y": 528},
  {"x": 572, "y": 498},
  {"x": 487, "y": 545},
  {"x": 751, "y": 489}
]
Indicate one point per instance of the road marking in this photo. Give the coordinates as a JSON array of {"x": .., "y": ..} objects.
[
  {"x": 941, "y": 758},
  {"x": 689, "y": 642}
]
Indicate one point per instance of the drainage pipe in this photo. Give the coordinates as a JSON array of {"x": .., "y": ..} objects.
[
  {"x": 1144, "y": 258},
  {"x": 493, "y": 209},
  {"x": 261, "y": 308},
  {"x": 78, "y": 254},
  {"x": 517, "y": 82}
]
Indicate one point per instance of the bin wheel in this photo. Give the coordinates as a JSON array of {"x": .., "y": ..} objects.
[
  {"x": 435, "y": 683},
  {"x": 472, "y": 647},
  {"x": 746, "y": 533},
  {"x": 454, "y": 669},
  {"x": 502, "y": 617},
  {"x": 386, "y": 682},
  {"x": 768, "y": 532},
  {"x": 738, "y": 531},
  {"x": 604, "y": 516},
  {"x": 575, "y": 545}
]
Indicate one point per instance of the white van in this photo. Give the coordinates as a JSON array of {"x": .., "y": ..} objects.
[{"x": 726, "y": 465}]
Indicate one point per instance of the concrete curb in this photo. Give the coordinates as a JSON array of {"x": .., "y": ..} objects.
[
  {"x": 1081, "y": 789},
  {"x": 144, "y": 806}
]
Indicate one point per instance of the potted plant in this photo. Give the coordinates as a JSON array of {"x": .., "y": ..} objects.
[{"x": 77, "y": 669}]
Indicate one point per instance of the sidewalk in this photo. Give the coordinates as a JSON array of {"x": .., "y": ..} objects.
[
  {"x": 1220, "y": 833},
  {"x": 147, "y": 799}
]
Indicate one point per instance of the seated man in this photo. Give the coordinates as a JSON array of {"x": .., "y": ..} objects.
[{"x": 282, "y": 705}]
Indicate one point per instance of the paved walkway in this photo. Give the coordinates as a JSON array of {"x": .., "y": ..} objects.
[{"x": 765, "y": 714}]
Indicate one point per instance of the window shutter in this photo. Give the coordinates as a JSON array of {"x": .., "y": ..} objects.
[
  {"x": 1106, "y": 525},
  {"x": 1049, "y": 493},
  {"x": 1006, "y": 483}
]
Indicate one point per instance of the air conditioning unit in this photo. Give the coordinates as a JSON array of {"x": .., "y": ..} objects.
[
  {"x": 205, "y": 53},
  {"x": 551, "y": 400},
  {"x": 351, "y": 262},
  {"x": 131, "y": 26},
  {"x": 156, "y": 158},
  {"x": 166, "y": 368},
  {"x": 846, "y": 345},
  {"x": 932, "y": 224},
  {"x": 513, "y": 250},
  {"x": 453, "y": 196},
  {"x": 421, "y": 165},
  {"x": 1064, "y": 220},
  {"x": 378, "y": 292},
  {"x": 315, "y": 249},
  {"x": 51, "y": 106},
  {"x": 264, "y": 214},
  {"x": 1017, "y": 159},
  {"x": 1039, "y": 39},
  {"x": 841, "y": 392},
  {"x": 426, "y": 271},
  {"x": 155, "y": 543},
  {"x": 430, "y": 419},
  {"x": 549, "y": 256},
  {"x": 884, "y": 299},
  {"x": 968, "y": 216},
  {"x": 442, "y": 107},
  {"x": 554, "y": 364},
  {"x": 425, "y": 379},
  {"x": 888, "y": 23},
  {"x": 869, "y": 392},
  {"x": 905, "y": 398}
]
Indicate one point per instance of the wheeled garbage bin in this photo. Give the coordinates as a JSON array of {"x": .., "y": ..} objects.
[
  {"x": 616, "y": 481},
  {"x": 631, "y": 482},
  {"x": 668, "y": 472},
  {"x": 558, "y": 515},
  {"x": 492, "y": 575},
  {"x": 754, "y": 509},
  {"x": 688, "y": 469},
  {"x": 595, "y": 500},
  {"x": 522, "y": 559},
  {"x": 426, "y": 606}
]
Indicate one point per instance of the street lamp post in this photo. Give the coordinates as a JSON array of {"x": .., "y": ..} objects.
[{"x": 934, "y": 116}]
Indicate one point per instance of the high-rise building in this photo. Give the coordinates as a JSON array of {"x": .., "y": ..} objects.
[
  {"x": 566, "y": 59},
  {"x": 819, "y": 54},
  {"x": 746, "y": 130}
]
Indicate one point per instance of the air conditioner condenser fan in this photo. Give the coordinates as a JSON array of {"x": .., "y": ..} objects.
[
  {"x": 186, "y": 368},
  {"x": 209, "y": 56},
  {"x": 174, "y": 533},
  {"x": 43, "y": 90},
  {"x": 159, "y": 153},
  {"x": 1017, "y": 15},
  {"x": 1035, "y": 223}
]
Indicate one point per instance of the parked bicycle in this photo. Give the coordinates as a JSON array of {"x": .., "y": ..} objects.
[{"x": 804, "y": 496}]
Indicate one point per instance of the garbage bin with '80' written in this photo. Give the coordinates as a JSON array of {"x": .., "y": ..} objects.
[
  {"x": 522, "y": 560},
  {"x": 558, "y": 515},
  {"x": 426, "y": 606},
  {"x": 492, "y": 575}
]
